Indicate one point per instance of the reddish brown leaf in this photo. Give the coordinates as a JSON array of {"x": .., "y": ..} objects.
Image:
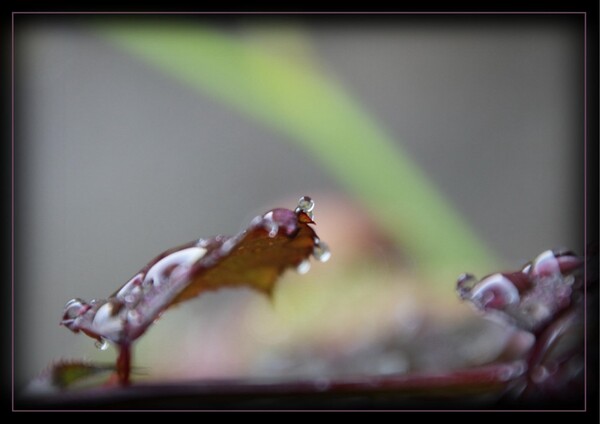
[
  {"x": 256, "y": 257},
  {"x": 529, "y": 298}
]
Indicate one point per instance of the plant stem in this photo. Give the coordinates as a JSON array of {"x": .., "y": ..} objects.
[{"x": 124, "y": 364}]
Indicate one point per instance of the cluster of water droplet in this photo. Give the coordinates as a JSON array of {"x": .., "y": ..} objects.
[
  {"x": 320, "y": 251},
  {"x": 530, "y": 296}
]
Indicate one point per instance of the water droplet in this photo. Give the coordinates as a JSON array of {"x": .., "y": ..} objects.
[
  {"x": 321, "y": 251},
  {"x": 303, "y": 267},
  {"x": 161, "y": 270},
  {"x": 495, "y": 292},
  {"x": 106, "y": 322},
  {"x": 134, "y": 317},
  {"x": 130, "y": 293},
  {"x": 101, "y": 344},
  {"x": 228, "y": 245},
  {"x": 269, "y": 224},
  {"x": 73, "y": 302},
  {"x": 272, "y": 228},
  {"x": 74, "y": 308},
  {"x": 305, "y": 204},
  {"x": 464, "y": 285},
  {"x": 544, "y": 265}
]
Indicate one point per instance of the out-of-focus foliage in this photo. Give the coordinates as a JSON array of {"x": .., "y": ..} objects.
[{"x": 288, "y": 92}]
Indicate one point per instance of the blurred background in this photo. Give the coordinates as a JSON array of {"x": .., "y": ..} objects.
[{"x": 431, "y": 146}]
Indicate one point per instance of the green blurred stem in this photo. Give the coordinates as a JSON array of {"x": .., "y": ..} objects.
[{"x": 293, "y": 96}]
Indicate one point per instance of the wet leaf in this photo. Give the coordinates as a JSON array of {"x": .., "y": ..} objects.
[
  {"x": 255, "y": 258},
  {"x": 546, "y": 298},
  {"x": 529, "y": 298},
  {"x": 273, "y": 242}
]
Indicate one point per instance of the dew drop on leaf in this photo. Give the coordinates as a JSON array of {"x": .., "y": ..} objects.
[
  {"x": 134, "y": 317},
  {"x": 73, "y": 308},
  {"x": 303, "y": 267},
  {"x": 305, "y": 204},
  {"x": 269, "y": 224},
  {"x": 321, "y": 251}
]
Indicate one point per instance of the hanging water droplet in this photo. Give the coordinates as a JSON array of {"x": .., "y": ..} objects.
[
  {"x": 101, "y": 344},
  {"x": 321, "y": 251},
  {"x": 303, "y": 267},
  {"x": 306, "y": 204}
]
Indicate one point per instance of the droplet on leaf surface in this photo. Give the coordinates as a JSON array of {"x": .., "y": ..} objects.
[
  {"x": 321, "y": 251},
  {"x": 303, "y": 267},
  {"x": 306, "y": 204}
]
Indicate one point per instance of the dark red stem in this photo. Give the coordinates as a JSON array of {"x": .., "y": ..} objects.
[{"x": 124, "y": 364}]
